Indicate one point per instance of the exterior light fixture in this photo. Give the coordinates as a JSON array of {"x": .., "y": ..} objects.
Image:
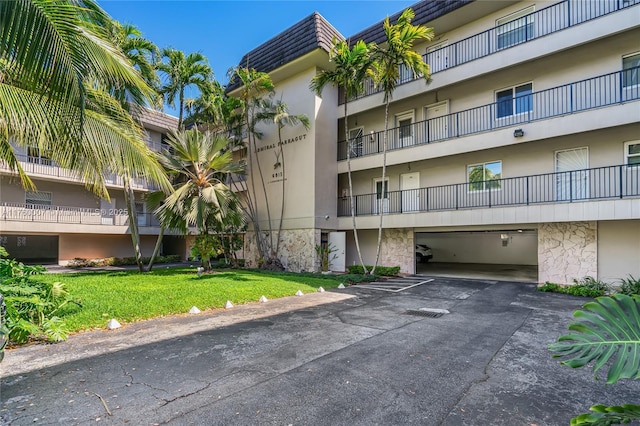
[{"x": 518, "y": 133}]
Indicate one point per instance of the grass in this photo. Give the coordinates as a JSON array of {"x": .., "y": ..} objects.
[{"x": 130, "y": 296}]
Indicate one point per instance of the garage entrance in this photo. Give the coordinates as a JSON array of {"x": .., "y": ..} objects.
[
  {"x": 496, "y": 254},
  {"x": 32, "y": 249}
]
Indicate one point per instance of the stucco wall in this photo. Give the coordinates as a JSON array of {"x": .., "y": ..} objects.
[
  {"x": 566, "y": 251},
  {"x": 101, "y": 246},
  {"x": 618, "y": 250}
]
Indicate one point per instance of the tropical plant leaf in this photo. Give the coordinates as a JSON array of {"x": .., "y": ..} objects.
[
  {"x": 607, "y": 333},
  {"x": 603, "y": 415}
]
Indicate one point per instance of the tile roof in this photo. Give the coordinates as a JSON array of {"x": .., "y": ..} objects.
[
  {"x": 309, "y": 34},
  {"x": 425, "y": 11},
  {"x": 155, "y": 118}
]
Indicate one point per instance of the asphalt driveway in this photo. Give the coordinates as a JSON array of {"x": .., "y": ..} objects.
[{"x": 358, "y": 356}]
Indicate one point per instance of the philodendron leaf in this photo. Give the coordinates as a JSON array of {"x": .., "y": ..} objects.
[
  {"x": 607, "y": 332},
  {"x": 603, "y": 415}
]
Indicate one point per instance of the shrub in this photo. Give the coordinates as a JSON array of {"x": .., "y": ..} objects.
[
  {"x": 630, "y": 285},
  {"x": 585, "y": 287},
  {"x": 388, "y": 271},
  {"x": 31, "y": 305}
]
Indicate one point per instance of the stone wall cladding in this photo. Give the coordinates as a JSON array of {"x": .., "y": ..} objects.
[
  {"x": 398, "y": 249},
  {"x": 297, "y": 250},
  {"x": 566, "y": 251}
]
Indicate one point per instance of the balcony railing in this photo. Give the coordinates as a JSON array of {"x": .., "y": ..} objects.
[
  {"x": 45, "y": 166},
  {"x": 597, "y": 92},
  {"x": 563, "y": 187},
  {"x": 551, "y": 19},
  {"x": 71, "y": 215}
]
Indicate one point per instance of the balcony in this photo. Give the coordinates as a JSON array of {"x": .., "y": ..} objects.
[
  {"x": 43, "y": 166},
  {"x": 551, "y": 19},
  {"x": 597, "y": 92},
  {"x": 71, "y": 215},
  {"x": 613, "y": 182}
]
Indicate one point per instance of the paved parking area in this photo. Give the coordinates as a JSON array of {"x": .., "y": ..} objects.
[{"x": 358, "y": 356}]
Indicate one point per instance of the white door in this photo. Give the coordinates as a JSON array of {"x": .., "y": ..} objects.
[
  {"x": 437, "y": 121},
  {"x": 438, "y": 57},
  {"x": 107, "y": 211},
  {"x": 410, "y": 184},
  {"x": 381, "y": 199},
  {"x": 572, "y": 181},
  {"x": 337, "y": 259}
]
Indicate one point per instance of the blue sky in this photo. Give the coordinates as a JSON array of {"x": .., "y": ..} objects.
[{"x": 224, "y": 30}]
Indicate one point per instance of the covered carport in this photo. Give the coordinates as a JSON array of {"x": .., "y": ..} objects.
[{"x": 502, "y": 254}]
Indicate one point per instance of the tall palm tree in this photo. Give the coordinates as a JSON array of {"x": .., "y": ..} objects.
[
  {"x": 180, "y": 72},
  {"x": 58, "y": 69},
  {"x": 200, "y": 162},
  {"x": 143, "y": 54},
  {"x": 255, "y": 86},
  {"x": 351, "y": 69},
  {"x": 278, "y": 113},
  {"x": 397, "y": 51}
]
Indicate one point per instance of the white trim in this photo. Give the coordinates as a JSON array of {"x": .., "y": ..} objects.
[
  {"x": 404, "y": 115},
  {"x": 555, "y": 156}
]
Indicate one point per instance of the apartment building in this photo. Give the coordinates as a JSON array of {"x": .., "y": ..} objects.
[
  {"x": 62, "y": 220},
  {"x": 523, "y": 149}
]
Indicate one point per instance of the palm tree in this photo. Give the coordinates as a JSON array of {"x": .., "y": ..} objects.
[
  {"x": 180, "y": 72},
  {"x": 278, "y": 113},
  {"x": 351, "y": 70},
  {"x": 200, "y": 163},
  {"x": 143, "y": 54},
  {"x": 254, "y": 86},
  {"x": 58, "y": 69},
  {"x": 398, "y": 51}
]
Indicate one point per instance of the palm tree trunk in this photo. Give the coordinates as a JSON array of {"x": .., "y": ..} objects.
[
  {"x": 384, "y": 185},
  {"x": 351, "y": 198},
  {"x": 256, "y": 220},
  {"x": 156, "y": 249},
  {"x": 181, "y": 107},
  {"x": 266, "y": 203},
  {"x": 282, "y": 204},
  {"x": 129, "y": 198}
]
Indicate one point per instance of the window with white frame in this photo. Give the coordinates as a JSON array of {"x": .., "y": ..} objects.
[
  {"x": 514, "y": 100},
  {"x": 484, "y": 176},
  {"x": 515, "y": 28},
  {"x": 32, "y": 198},
  {"x": 630, "y": 67},
  {"x": 632, "y": 153}
]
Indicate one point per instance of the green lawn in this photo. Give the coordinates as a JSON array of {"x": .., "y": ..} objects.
[{"x": 130, "y": 296}]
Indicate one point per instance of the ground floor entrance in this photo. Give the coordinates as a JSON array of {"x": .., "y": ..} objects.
[{"x": 495, "y": 254}]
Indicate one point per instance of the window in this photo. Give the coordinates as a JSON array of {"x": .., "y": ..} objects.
[
  {"x": 37, "y": 198},
  {"x": 515, "y": 28},
  {"x": 632, "y": 153},
  {"x": 514, "y": 100},
  {"x": 484, "y": 176},
  {"x": 630, "y": 64}
]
